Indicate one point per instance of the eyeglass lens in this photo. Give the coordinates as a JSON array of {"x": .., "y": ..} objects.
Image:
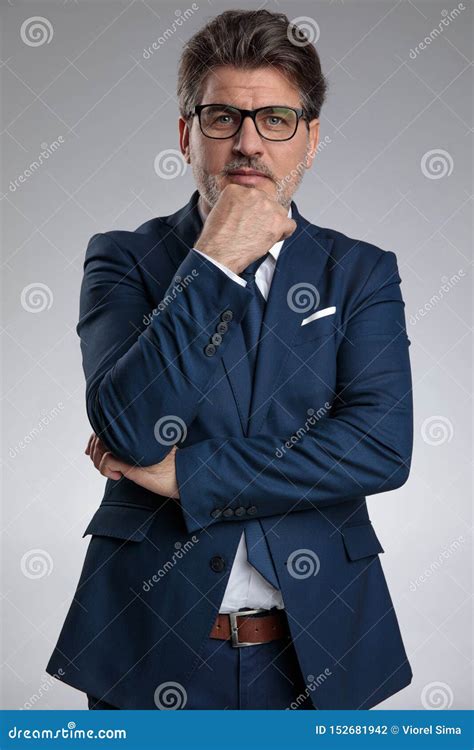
[{"x": 275, "y": 123}]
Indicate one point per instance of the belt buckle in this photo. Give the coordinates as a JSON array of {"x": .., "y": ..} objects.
[{"x": 234, "y": 630}]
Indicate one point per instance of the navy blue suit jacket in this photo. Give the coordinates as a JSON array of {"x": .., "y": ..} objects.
[{"x": 331, "y": 422}]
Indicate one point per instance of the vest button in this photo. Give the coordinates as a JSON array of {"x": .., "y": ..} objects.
[{"x": 217, "y": 563}]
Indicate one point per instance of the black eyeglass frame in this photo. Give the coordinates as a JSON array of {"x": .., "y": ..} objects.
[{"x": 252, "y": 113}]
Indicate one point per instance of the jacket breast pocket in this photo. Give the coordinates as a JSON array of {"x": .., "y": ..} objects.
[
  {"x": 326, "y": 327},
  {"x": 360, "y": 540},
  {"x": 127, "y": 522}
]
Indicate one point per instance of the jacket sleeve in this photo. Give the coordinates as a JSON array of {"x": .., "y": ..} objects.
[
  {"x": 363, "y": 446},
  {"x": 147, "y": 369}
]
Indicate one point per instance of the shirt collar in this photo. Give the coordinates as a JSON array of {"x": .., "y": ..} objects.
[{"x": 274, "y": 250}]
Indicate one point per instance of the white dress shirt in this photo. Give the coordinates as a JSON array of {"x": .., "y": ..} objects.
[{"x": 246, "y": 587}]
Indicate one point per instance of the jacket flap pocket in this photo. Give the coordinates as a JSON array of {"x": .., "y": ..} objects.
[
  {"x": 121, "y": 521},
  {"x": 361, "y": 541}
]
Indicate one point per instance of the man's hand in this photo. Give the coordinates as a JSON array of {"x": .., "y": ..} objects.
[
  {"x": 159, "y": 478},
  {"x": 242, "y": 226}
]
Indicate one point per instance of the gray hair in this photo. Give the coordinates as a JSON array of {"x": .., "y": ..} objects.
[{"x": 251, "y": 39}]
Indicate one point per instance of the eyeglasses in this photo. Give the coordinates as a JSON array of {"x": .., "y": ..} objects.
[{"x": 274, "y": 123}]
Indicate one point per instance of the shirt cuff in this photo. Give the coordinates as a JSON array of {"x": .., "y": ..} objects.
[{"x": 230, "y": 274}]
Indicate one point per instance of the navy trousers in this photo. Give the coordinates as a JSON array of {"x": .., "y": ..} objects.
[{"x": 263, "y": 676}]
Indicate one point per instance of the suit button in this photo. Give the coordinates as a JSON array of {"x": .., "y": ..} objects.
[
  {"x": 217, "y": 564},
  {"x": 251, "y": 510},
  {"x": 222, "y": 327},
  {"x": 240, "y": 511},
  {"x": 216, "y": 512},
  {"x": 228, "y": 512},
  {"x": 216, "y": 339},
  {"x": 210, "y": 350},
  {"x": 227, "y": 315}
]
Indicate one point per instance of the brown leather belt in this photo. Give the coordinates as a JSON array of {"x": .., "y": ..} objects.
[{"x": 249, "y": 627}]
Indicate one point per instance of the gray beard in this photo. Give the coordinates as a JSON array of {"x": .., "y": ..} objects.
[{"x": 209, "y": 190}]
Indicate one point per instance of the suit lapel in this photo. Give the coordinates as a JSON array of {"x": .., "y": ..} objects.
[
  {"x": 185, "y": 226},
  {"x": 236, "y": 365},
  {"x": 300, "y": 265}
]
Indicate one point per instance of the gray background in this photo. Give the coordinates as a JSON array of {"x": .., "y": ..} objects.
[{"x": 115, "y": 112}]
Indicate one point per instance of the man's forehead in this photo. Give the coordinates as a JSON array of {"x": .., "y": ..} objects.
[{"x": 259, "y": 83}]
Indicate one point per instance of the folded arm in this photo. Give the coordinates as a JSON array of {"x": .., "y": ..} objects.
[
  {"x": 143, "y": 366},
  {"x": 363, "y": 447}
]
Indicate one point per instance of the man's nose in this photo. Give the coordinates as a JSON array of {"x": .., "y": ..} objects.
[{"x": 248, "y": 141}]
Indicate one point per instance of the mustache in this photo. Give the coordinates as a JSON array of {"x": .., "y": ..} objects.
[{"x": 247, "y": 165}]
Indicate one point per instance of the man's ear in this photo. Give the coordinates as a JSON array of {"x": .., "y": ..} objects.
[
  {"x": 184, "y": 139},
  {"x": 313, "y": 137}
]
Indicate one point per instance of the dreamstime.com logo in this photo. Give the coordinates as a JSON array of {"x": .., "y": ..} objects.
[
  {"x": 303, "y": 563},
  {"x": 170, "y": 430},
  {"x": 302, "y": 31},
  {"x": 447, "y": 17},
  {"x": 36, "y": 297},
  {"x": 170, "y": 696},
  {"x": 170, "y": 164},
  {"x": 312, "y": 684},
  {"x": 436, "y": 164},
  {"x": 435, "y": 565},
  {"x": 302, "y": 165},
  {"x": 47, "y": 150},
  {"x": 71, "y": 732},
  {"x": 36, "y": 563},
  {"x": 35, "y": 432},
  {"x": 36, "y": 31},
  {"x": 47, "y": 682},
  {"x": 180, "y": 551},
  {"x": 178, "y": 285},
  {"x": 437, "y": 696},
  {"x": 180, "y": 19},
  {"x": 313, "y": 417},
  {"x": 448, "y": 283}
]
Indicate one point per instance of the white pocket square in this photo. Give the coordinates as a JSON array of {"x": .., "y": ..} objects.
[{"x": 319, "y": 314}]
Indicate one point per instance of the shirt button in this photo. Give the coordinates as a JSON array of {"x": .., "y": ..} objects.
[
  {"x": 251, "y": 510},
  {"x": 216, "y": 339},
  {"x": 222, "y": 327},
  {"x": 240, "y": 511},
  {"x": 217, "y": 563},
  {"x": 210, "y": 350},
  {"x": 228, "y": 512},
  {"x": 216, "y": 512},
  {"x": 227, "y": 315}
]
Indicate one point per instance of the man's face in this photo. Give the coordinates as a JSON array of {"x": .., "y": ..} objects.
[{"x": 282, "y": 162}]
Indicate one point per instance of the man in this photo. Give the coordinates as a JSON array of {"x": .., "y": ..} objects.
[{"x": 248, "y": 383}]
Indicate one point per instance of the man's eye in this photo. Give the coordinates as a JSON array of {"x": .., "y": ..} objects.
[{"x": 224, "y": 119}]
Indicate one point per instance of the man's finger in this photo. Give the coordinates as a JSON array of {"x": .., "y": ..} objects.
[
  {"x": 96, "y": 452},
  {"x": 89, "y": 444},
  {"x": 110, "y": 467},
  {"x": 92, "y": 448}
]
